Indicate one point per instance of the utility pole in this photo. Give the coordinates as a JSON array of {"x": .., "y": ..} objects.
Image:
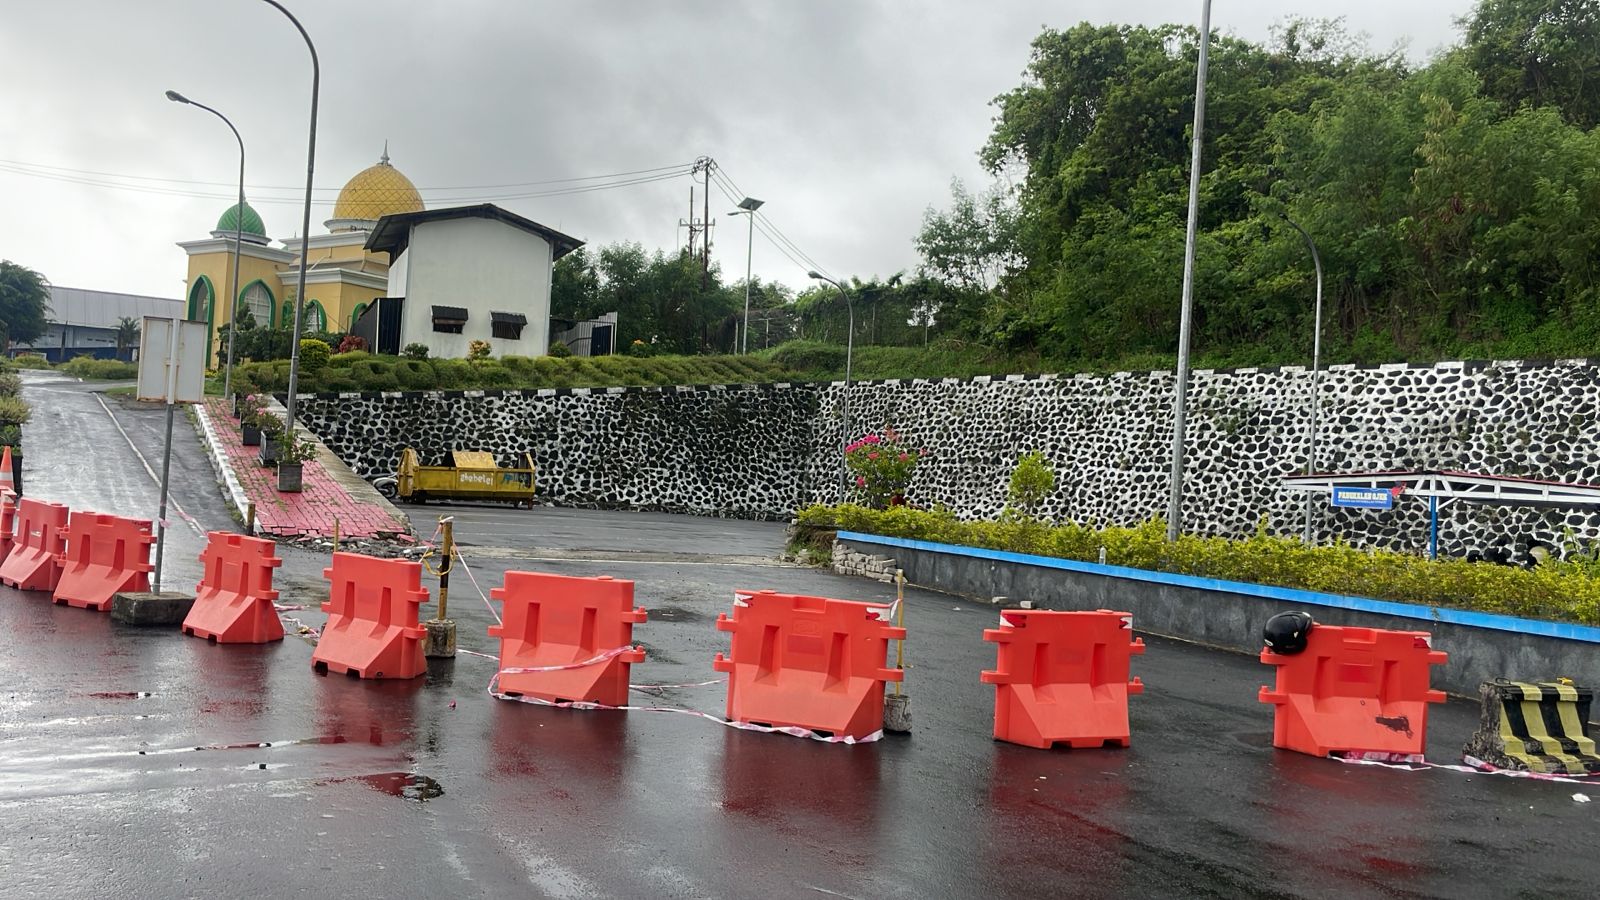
[{"x": 703, "y": 165}]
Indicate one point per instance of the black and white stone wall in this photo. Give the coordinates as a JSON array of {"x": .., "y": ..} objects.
[
  {"x": 760, "y": 451},
  {"x": 725, "y": 450}
]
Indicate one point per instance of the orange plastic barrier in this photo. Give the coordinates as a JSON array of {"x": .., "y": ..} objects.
[
  {"x": 372, "y": 629},
  {"x": 1062, "y": 677},
  {"x": 233, "y": 603},
  {"x": 808, "y": 662},
  {"x": 1354, "y": 691},
  {"x": 34, "y": 563},
  {"x": 105, "y": 554},
  {"x": 8, "y": 522},
  {"x": 558, "y": 621}
]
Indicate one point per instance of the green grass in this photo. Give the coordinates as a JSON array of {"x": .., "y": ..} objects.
[{"x": 360, "y": 371}]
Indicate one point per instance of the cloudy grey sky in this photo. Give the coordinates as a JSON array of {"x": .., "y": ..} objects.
[{"x": 848, "y": 117}]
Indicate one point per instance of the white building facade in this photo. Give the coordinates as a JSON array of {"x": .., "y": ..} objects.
[{"x": 470, "y": 273}]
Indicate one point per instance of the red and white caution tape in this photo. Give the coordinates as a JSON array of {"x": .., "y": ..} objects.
[
  {"x": 1472, "y": 766},
  {"x": 796, "y": 731}
]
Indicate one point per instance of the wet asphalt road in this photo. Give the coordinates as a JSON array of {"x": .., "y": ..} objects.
[{"x": 431, "y": 788}]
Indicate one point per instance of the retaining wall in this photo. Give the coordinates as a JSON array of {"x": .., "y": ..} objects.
[
  {"x": 763, "y": 450},
  {"x": 1229, "y": 614}
]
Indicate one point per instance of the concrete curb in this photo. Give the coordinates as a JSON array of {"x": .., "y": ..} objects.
[
  {"x": 1229, "y": 615},
  {"x": 225, "y": 476}
]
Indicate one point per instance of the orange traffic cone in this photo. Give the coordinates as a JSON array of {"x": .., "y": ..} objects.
[{"x": 6, "y": 484}]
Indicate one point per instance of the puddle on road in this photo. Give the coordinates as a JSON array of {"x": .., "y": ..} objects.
[
  {"x": 405, "y": 785},
  {"x": 677, "y": 614}
]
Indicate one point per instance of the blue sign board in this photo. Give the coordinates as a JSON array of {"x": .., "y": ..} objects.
[{"x": 1363, "y": 497}]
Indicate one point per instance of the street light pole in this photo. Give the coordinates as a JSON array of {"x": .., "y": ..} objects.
[
  {"x": 747, "y": 208},
  {"x": 238, "y": 243},
  {"x": 1316, "y": 371},
  {"x": 849, "y": 353},
  {"x": 1181, "y": 394},
  {"x": 305, "y": 222}
]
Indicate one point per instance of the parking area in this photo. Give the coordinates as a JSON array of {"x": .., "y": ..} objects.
[{"x": 143, "y": 763}]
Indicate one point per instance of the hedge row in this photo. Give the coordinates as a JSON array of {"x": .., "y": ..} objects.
[
  {"x": 1562, "y": 590},
  {"x": 361, "y": 371},
  {"x": 100, "y": 369}
]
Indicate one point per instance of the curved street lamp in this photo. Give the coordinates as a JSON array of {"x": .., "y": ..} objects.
[
  {"x": 305, "y": 222},
  {"x": 238, "y": 242},
  {"x": 1316, "y": 363},
  {"x": 849, "y": 351}
]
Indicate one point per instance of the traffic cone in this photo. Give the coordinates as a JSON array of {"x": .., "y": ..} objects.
[{"x": 6, "y": 484}]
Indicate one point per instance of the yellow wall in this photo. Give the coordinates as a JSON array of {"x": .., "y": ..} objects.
[{"x": 218, "y": 268}]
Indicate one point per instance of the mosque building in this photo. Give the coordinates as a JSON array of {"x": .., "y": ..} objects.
[{"x": 347, "y": 270}]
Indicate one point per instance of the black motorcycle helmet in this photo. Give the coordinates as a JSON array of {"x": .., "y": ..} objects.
[{"x": 1287, "y": 633}]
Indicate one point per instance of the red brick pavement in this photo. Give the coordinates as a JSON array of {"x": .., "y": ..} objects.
[{"x": 311, "y": 512}]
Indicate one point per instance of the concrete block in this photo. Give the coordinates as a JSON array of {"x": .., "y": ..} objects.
[
  {"x": 440, "y": 642},
  {"x": 151, "y": 608}
]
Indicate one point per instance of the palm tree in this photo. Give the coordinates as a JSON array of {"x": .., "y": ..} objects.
[{"x": 127, "y": 334}]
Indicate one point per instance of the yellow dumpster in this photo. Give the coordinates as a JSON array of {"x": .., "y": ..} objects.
[{"x": 472, "y": 475}]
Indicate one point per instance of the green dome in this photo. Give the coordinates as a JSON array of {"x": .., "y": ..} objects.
[{"x": 251, "y": 225}]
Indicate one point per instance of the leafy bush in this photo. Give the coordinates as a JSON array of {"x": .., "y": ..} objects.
[
  {"x": 351, "y": 342},
  {"x": 10, "y": 384},
  {"x": 640, "y": 349},
  {"x": 13, "y": 411},
  {"x": 314, "y": 355},
  {"x": 478, "y": 351},
  {"x": 882, "y": 466},
  {"x": 100, "y": 369},
  {"x": 810, "y": 356},
  {"x": 345, "y": 357},
  {"x": 1031, "y": 481},
  {"x": 30, "y": 361},
  {"x": 560, "y": 350},
  {"x": 415, "y": 351},
  {"x": 1555, "y": 590}
]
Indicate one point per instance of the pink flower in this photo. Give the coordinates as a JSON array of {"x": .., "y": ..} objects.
[
  {"x": 872, "y": 455},
  {"x": 870, "y": 439},
  {"x": 861, "y": 481},
  {"x": 904, "y": 457}
]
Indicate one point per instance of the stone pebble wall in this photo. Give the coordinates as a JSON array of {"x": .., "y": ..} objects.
[
  {"x": 720, "y": 450},
  {"x": 761, "y": 451}
]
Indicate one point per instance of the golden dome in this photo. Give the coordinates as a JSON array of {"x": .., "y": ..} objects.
[{"x": 377, "y": 191}]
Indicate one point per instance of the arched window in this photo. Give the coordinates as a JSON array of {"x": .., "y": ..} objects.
[
  {"x": 258, "y": 300},
  {"x": 355, "y": 315},
  {"x": 200, "y": 300},
  {"x": 314, "y": 319}
]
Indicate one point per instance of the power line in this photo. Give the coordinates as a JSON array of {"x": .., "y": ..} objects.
[
  {"x": 25, "y": 167},
  {"x": 766, "y": 234},
  {"x": 768, "y": 230},
  {"x": 664, "y": 175}
]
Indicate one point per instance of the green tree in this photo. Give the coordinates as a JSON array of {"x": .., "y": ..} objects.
[
  {"x": 1539, "y": 52},
  {"x": 127, "y": 335},
  {"x": 24, "y": 304}
]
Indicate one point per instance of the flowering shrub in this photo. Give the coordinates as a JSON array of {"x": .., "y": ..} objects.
[
  {"x": 352, "y": 342},
  {"x": 881, "y": 466}
]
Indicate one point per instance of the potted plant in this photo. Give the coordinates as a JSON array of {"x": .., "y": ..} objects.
[
  {"x": 250, "y": 410},
  {"x": 292, "y": 457},
  {"x": 271, "y": 438},
  {"x": 882, "y": 465}
]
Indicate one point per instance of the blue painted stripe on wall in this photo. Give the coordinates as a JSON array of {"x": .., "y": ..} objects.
[{"x": 1564, "y": 630}]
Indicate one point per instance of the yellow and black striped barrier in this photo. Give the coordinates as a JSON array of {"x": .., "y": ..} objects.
[{"x": 1539, "y": 727}]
